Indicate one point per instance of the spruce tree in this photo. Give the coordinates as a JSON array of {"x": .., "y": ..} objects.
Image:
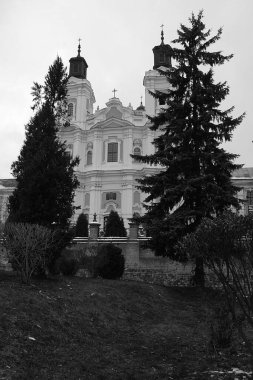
[
  {"x": 82, "y": 224},
  {"x": 115, "y": 225},
  {"x": 195, "y": 177},
  {"x": 44, "y": 171}
]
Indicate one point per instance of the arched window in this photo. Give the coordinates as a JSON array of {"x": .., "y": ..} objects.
[
  {"x": 89, "y": 157},
  {"x": 70, "y": 109}
]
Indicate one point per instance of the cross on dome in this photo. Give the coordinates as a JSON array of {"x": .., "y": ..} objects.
[
  {"x": 114, "y": 92},
  {"x": 162, "y": 37},
  {"x": 79, "y": 47}
]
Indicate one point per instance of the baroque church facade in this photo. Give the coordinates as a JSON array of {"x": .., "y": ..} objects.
[{"x": 105, "y": 138}]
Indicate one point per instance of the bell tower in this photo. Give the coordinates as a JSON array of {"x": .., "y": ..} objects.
[
  {"x": 153, "y": 80},
  {"x": 80, "y": 93}
]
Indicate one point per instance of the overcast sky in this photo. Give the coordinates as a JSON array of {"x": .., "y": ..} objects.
[{"x": 117, "y": 41}]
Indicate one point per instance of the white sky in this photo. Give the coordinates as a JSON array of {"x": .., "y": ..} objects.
[{"x": 117, "y": 41}]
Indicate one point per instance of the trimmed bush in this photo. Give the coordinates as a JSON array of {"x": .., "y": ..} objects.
[
  {"x": 68, "y": 266},
  {"x": 115, "y": 225},
  {"x": 82, "y": 225},
  {"x": 109, "y": 263}
]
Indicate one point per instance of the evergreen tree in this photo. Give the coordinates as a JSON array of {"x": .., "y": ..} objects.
[
  {"x": 195, "y": 179},
  {"x": 82, "y": 225},
  {"x": 44, "y": 171},
  {"x": 115, "y": 225},
  {"x": 54, "y": 91}
]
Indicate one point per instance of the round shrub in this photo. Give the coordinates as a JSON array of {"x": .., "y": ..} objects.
[
  {"x": 110, "y": 263},
  {"x": 68, "y": 266}
]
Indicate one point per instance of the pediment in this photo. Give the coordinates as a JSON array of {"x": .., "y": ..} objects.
[{"x": 112, "y": 123}]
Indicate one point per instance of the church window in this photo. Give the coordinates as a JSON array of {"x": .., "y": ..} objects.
[
  {"x": 69, "y": 150},
  {"x": 250, "y": 201},
  {"x": 89, "y": 157},
  {"x": 250, "y": 197},
  {"x": 87, "y": 200},
  {"x": 137, "y": 152},
  {"x": 137, "y": 197},
  {"x": 70, "y": 109},
  {"x": 112, "y": 155},
  {"x": 110, "y": 196}
]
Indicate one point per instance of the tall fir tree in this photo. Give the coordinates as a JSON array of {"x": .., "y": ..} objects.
[
  {"x": 195, "y": 178},
  {"x": 115, "y": 225},
  {"x": 44, "y": 171}
]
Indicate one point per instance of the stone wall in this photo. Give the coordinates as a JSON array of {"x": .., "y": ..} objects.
[
  {"x": 4, "y": 264},
  {"x": 140, "y": 262}
]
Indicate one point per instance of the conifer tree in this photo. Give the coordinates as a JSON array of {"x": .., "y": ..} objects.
[
  {"x": 44, "y": 171},
  {"x": 115, "y": 225},
  {"x": 82, "y": 226},
  {"x": 195, "y": 179}
]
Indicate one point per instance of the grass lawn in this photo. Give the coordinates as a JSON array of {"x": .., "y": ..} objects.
[{"x": 73, "y": 328}]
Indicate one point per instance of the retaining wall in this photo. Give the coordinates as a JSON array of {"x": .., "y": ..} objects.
[{"x": 140, "y": 263}]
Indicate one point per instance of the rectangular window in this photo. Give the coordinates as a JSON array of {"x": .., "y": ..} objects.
[
  {"x": 250, "y": 197},
  {"x": 110, "y": 196},
  {"x": 112, "y": 155}
]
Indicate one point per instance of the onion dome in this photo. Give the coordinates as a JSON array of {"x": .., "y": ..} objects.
[
  {"x": 78, "y": 65},
  {"x": 140, "y": 108},
  {"x": 162, "y": 53}
]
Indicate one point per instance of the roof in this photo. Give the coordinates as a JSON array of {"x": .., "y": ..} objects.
[
  {"x": 243, "y": 173},
  {"x": 9, "y": 182}
]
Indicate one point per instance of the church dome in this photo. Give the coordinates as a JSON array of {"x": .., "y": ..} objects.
[
  {"x": 78, "y": 66},
  {"x": 140, "y": 108},
  {"x": 162, "y": 54}
]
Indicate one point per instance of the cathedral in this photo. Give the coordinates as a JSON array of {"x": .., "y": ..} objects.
[{"x": 104, "y": 139}]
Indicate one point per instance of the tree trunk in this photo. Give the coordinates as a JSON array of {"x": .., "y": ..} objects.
[{"x": 198, "y": 279}]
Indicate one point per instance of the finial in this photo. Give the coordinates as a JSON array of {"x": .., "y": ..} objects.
[
  {"x": 141, "y": 100},
  {"x": 79, "y": 48},
  {"x": 162, "y": 37},
  {"x": 114, "y": 92}
]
